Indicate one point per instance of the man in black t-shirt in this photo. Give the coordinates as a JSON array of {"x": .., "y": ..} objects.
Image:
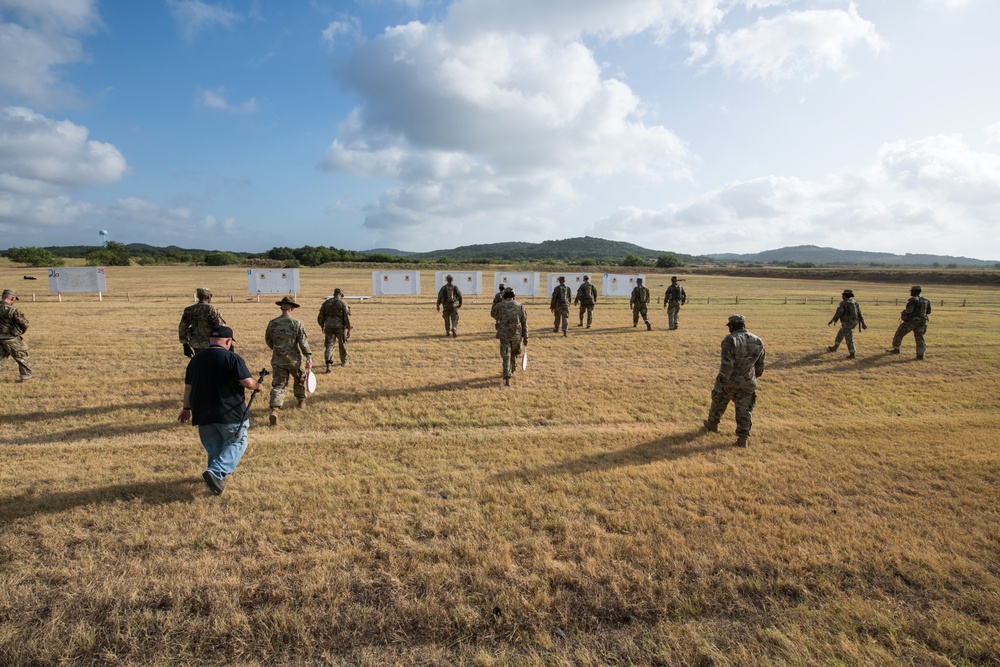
[{"x": 214, "y": 385}]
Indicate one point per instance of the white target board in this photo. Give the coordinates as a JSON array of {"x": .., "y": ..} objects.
[
  {"x": 620, "y": 284},
  {"x": 394, "y": 283},
  {"x": 86, "y": 279},
  {"x": 523, "y": 284},
  {"x": 272, "y": 281},
  {"x": 573, "y": 280},
  {"x": 470, "y": 282}
]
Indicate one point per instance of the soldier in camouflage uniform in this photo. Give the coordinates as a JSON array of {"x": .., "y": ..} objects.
[
  {"x": 639, "y": 302},
  {"x": 287, "y": 339},
  {"x": 914, "y": 318},
  {"x": 450, "y": 297},
  {"x": 849, "y": 315},
  {"x": 196, "y": 321},
  {"x": 673, "y": 299},
  {"x": 512, "y": 330},
  {"x": 335, "y": 320},
  {"x": 742, "y": 363},
  {"x": 562, "y": 295},
  {"x": 13, "y": 324},
  {"x": 586, "y": 296},
  {"x": 498, "y": 297}
]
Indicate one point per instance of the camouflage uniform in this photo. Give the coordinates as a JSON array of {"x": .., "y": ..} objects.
[
  {"x": 586, "y": 296},
  {"x": 335, "y": 320},
  {"x": 197, "y": 320},
  {"x": 638, "y": 302},
  {"x": 498, "y": 297},
  {"x": 287, "y": 339},
  {"x": 673, "y": 299},
  {"x": 512, "y": 329},
  {"x": 562, "y": 295},
  {"x": 915, "y": 317},
  {"x": 743, "y": 359},
  {"x": 12, "y": 325},
  {"x": 450, "y": 297},
  {"x": 849, "y": 315}
]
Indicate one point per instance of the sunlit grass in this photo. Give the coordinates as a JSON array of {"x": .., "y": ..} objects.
[{"x": 419, "y": 512}]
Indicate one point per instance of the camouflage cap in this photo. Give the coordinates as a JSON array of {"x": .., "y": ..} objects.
[
  {"x": 508, "y": 293},
  {"x": 203, "y": 291},
  {"x": 448, "y": 278},
  {"x": 286, "y": 301},
  {"x": 638, "y": 280},
  {"x": 673, "y": 279},
  {"x": 736, "y": 320},
  {"x": 9, "y": 292},
  {"x": 338, "y": 292},
  {"x": 915, "y": 289},
  {"x": 586, "y": 277},
  {"x": 848, "y": 294}
]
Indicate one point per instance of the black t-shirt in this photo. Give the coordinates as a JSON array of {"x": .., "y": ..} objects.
[{"x": 216, "y": 393}]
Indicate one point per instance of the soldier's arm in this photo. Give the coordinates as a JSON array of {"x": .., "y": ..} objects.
[
  {"x": 217, "y": 317},
  {"x": 268, "y": 338},
  {"x": 728, "y": 360},
  {"x": 182, "y": 329},
  {"x": 928, "y": 306},
  {"x": 458, "y": 296},
  {"x": 347, "y": 317},
  {"x": 758, "y": 367}
]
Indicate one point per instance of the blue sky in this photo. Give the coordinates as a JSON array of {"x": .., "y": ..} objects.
[{"x": 695, "y": 126}]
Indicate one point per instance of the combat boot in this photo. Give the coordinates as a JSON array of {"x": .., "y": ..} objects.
[
  {"x": 302, "y": 403},
  {"x": 273, "y": 417},
  {"x": 743, "y": 441},
  {"x": 893, "y": 350},
  {"x": 851, "y": 355},
  {"x": 709, "y": 426},
  {"x": 329, "y": 366},
  {"x": 649, "y": 325},
  {"x": 920, "y": 357},
  {"x": 506, "y": 382},
  {"x": 831, "y": 348}
]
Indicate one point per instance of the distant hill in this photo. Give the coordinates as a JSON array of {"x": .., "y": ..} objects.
[
  {"x": 566, "y": 250},
  {"x": 835, "y": 257}
]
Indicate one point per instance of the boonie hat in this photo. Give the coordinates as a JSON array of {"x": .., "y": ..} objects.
[
  {"x": 735, "y": 319},
  {"x": 221, "y": 332},
  {"x": 849, "y": 293}
]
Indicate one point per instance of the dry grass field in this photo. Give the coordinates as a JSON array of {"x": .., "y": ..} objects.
[{"x": 418, "y": 512}]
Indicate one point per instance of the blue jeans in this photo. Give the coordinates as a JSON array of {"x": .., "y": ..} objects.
[{"x": 225, "y": 444}]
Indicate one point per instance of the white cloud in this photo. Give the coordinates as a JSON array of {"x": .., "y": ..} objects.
[
  {"x": 166, "y": 222},
  {"x": 494, "y": 123},
  {"x": 348, "y": 26},
  {"x": 992, "y": 133},
  {"x": 37, "y": 37},
  {"x": 216, "y": 99},
  {"x": 795, "y": 44},
  {"x": 194, "y": 16},
  {"x": 900, "y": 202}
]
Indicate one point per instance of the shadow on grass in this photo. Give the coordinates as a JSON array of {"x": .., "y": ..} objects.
[
  {"x": 668, "y": 448},
  {"x": 91, "y": 432},
  {"x": 160, "y": 404},
  {"x": 150, "y": 493},
  {"x": 452, "y": 385}
]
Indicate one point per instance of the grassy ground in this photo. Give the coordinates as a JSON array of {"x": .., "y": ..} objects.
[{"x": 418, "y": 512}]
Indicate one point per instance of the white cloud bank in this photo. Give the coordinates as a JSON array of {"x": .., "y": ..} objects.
[
  {"x": 194, "y": 16},
  {"x": 500, "y": 111}
]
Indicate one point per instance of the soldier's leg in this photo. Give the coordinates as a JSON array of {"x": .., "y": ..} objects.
[
  {"x": 672, "y": 316},
  {"x": 918, "y": 338},
  {"x": 903, "y": 329},
  {"x": 505, "y": 350},
  {"x": 446, "y": 316},
  {"x": 4, "y": 353},
  {"x": 838, "y": 340},
  {"x": 848, "y": 334},
  {"x": 18, "y": 350},
  {"x": 583, "y": 309},
  {"x": 555, "y": 322},
  {"x": 720, "y": 401},
  {"x": 279, "y": 384},
  {"x": 515, "y": 355},
  {"x": 745, "y": 402},
  {"x": 330, "y": 339},
  {"x": 342, "y": 346},
  {"x": 454, "y": 322},
  {"x": 565, "y": 318},
  {"x": 645, "y": 317},
  {"x": 298, "y": 374}
]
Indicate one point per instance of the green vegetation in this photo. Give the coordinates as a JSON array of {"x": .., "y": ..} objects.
[
  {"x": 33, "y": 256},
  {"x": 668, "y": 260},
  {"x": 221, "y": 259},
  {"x": 112, "y": 254}
]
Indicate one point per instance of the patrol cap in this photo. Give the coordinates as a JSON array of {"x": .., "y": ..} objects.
[
  {"x": 338, "y": 292},
  {"x": 848, "y": 293},
  {"x": 586, "y": 277},
  {"x": 915, "y": 289},
  {"x": 448, "y": 278},
  {"x": 286, "y": 301},
  {"x": 508, "y": 293},
  {"x": 673, "y": 279},
  {"x": 638, "y": 280},
  {"x": 561, "y": 279},
  {"x": 9, "y": 292},
  {"x": 221, "y": 332},
  {"x": 736, "y": 319},
  {"x": 203, "y": 291}
]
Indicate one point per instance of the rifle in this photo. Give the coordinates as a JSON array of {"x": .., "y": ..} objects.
[{"x": 246, "y": 410}]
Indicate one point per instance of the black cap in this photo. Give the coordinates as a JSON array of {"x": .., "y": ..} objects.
[
  {"x": 221, "y": 332},
  {"x": 508, "y": 293}
]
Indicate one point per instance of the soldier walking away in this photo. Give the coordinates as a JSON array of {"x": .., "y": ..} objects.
[
  {"x": 562, "y": 295},
  {"x": 286, "y": 337},
  {"x": 512, "y": 330},
  {"x": 913, "y": 318},
  {"x": 639, "y": 303},
  {"x": 673, "y": 299},
  {"x": 742, "y": 363},
  {"x": 586, "y": 296},
  {"x": 498, "y": 297},
  {"x": 335, "y": 320},
  {"x": 450, "y": 297},
  {"x": 13, "y": 324},
  {"x": 196, "y": 321},
  {"x": 849, "y": 315},
  {"x": 214, "y": 384}
]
